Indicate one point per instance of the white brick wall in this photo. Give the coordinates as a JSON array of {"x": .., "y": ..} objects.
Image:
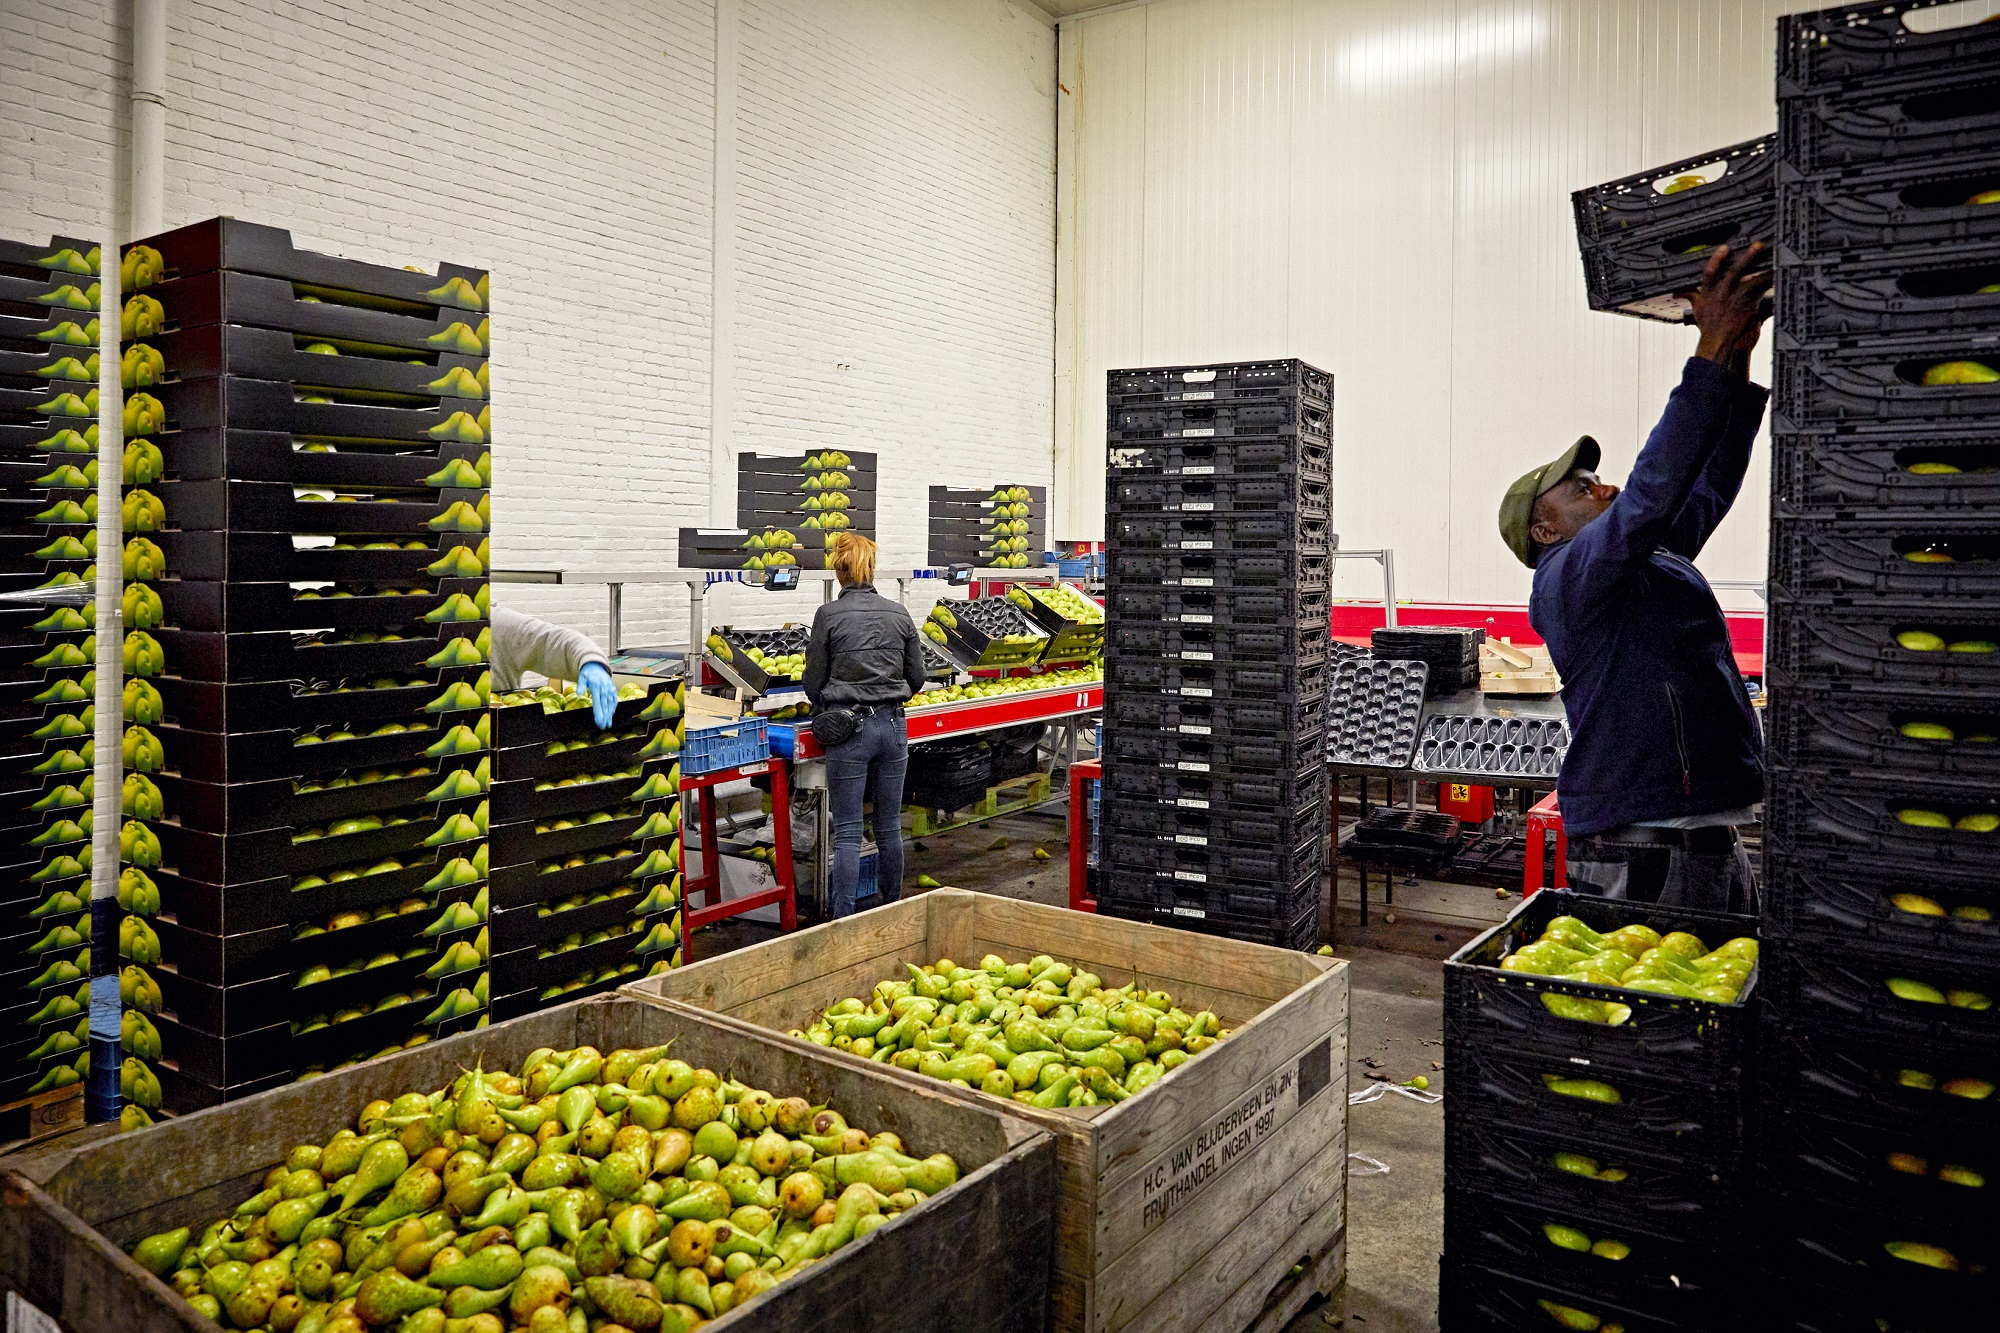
[{"x": 894, "y": 232}]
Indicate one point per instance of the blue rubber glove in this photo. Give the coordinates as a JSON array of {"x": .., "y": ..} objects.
[{"x": 595, "y": 679}]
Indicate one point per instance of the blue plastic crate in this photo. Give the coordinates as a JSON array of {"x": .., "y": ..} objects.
[
  {"x": 735, "y": 743},
  {"x": 784, "y": 738},
  {"x": 1081, "y": 567},
  {"x": 869, "y": 883}
]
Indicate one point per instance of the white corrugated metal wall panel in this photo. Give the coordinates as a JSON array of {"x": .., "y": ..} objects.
[{"x": 1382, "y": 187}]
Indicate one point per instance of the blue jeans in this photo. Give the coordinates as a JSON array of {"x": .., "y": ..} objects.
[{"x": 871, "y": 764}]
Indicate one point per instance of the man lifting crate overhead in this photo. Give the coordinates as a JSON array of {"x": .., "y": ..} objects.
[{"x": 1664, "y": 764}]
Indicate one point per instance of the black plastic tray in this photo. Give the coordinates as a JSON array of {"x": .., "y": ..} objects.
[
  {"x": 1836, "y": 1253},
  {"x": 1265, "y": 418},
  {"x": 1854, "y": 639},
  {"x": 214, "y": 607},
  {"x": 1373, "y": 710},
  {"x": 1302, "y": 717},
  {"x": 1136, "y": 881},
  {"x": 1281, "y": 643},
  {"x": 1470, "y": 1297},
  {"x": 283, "y": 656},
  {"x": 235, "y": 350},
  {"x": 268, "y": 506},
  {"x": 1499, "y": 1012},
  {"x": 1836, "y": 813},
  {"x": 1193, "y": 870},
  {"x": 1861, "y": 1077},
  {"x": 1868, "y": 469},
  {"x": 1806, "y": 896},
  {"x": 234, "y": 402},
  {"x": 1835, "y": 1157},
  {"x": 1504, "y": 747},
  {"x": 1212, "y": 791},
  {"x": 1146, "y": 815},
  {"x": 1222, "y": 607},
  {"x": 980, "y": 625},
  {"x": 1263, "y": 532},
  {"x": 224, "y": 297},
  {"x": 250, "y": 455},
  {"x": 1845, "y": 729},
  {"x": 1905, "y": 211},
  {"x": 1300, "y": 932},
  {"x": 1226, "y": 456},
  {"x": 1892, "y": 121},
  {"x": 255, "y": 557},
  {"x": 1825, "y": 301},
  {"x": 257, "y": 905},
  {"x": 1227, "y": 676},
  {"x": 533, "y": 725},
  {"x": 1211, "y": 383},
  {"x": 1135, "y": 492},
  {"x": 1832, "y": 48},
  {"x": 1835, "y": 981},
  {"x": 217, "y": 706},
  {"x": 1518, "y": 1158},
  {"x": 1281, "y": 569},
  {"x": 1636, "y": 239},
  {"x": 210, "y": 756},
  {"x": 1856, "y": 555},
  {"x": 1241, "y": 752},
  {"x": 248, "y": 247},
  {"x": 1877, "y": 380}
]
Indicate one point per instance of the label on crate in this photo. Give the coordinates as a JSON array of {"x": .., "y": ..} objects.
[
  {"x": 1197, "y": 618},
  {"x": 1193, "y": 396},
  {"x": 1196, "y": 582},
  {"x": 1196, "y": 655},
  {"x": 1195, "y": 546},
  {"x": 1192, "y": 766},
  {"x": 1197, "y": 432},
  {"x": 1196, "y": 506},
  {"x": 1195, "y": 729},
  {"x": 1194, "y": 912},
  {"x": 1199, "y": 470},
  {"x": 1191, "y": 802},
  {"x": 1191, "y": 839},
  {"x": 1175, "y": 1177},
  {"x": 1195, "y": 692},
  {"x": 1191, "y": 876}
]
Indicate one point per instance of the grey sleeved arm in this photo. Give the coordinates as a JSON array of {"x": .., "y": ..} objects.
[{"x": 525, "y": 643}]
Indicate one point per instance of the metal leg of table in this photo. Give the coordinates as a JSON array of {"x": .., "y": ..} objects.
[{"x": 615, "y": 631}]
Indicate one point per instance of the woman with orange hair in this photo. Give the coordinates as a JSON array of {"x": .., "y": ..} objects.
[{"x": 862, "y": 664}]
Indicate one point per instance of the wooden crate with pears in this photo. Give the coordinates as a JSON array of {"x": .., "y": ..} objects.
[{"x": 1211, "y": 1199}]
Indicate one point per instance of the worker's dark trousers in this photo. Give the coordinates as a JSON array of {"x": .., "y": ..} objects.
[
  {"x": 868, "y": 765},
  {"x": 1705, "y": 869}
]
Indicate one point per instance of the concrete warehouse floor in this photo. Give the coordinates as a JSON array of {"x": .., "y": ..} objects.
[{"x": 1395, "y": 1221}]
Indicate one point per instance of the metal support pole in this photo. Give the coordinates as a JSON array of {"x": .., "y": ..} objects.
[
  {"x": 101, "y": 1094},
  {"x": 615, "y": 631},
  {"x": 1389, "y": 587},
  {"x": 149, "y": 122}
]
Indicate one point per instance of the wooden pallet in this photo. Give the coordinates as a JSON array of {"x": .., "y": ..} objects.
[
  {"x": 42, "y": 1116},
  {"x": 1185, "y": 1208}
]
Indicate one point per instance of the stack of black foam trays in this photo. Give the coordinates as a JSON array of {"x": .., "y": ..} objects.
[
  {"x": 1882, "y": 823},
  {"x": 48, "y": 537},
  {"x": 585, "y": 846},
  {"x": 314, "y": 437},
  {"x": 1214, "y": 804}
]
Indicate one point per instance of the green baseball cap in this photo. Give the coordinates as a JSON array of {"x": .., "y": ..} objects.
[{"x": 1517, "y": 508}]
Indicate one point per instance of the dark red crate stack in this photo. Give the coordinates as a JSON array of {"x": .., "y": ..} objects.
[
  {"x": 1882, "y": 824},
  {"x": 1214, "y": 813}
]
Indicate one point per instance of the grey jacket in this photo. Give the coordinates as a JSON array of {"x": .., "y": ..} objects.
[
  {"x": 863, "y": 650},
  {"x": 524, "y": 643}
]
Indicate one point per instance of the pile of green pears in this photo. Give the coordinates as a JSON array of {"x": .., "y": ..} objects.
[
  {"x": 1635, "y": 957},
  {"x": 1007, "y": 527},
  {"x": 590, "y": 1193},
  {"x": 987, "y": 688},
  {"x": 1043, "y": 1033},
  {"x": 1064, "y": 600}
]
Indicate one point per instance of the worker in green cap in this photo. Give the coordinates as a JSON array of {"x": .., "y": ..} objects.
[{"x": 1664, "y": 757}]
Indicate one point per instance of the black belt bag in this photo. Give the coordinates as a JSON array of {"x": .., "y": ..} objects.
[{"x": 834, "y": 726}]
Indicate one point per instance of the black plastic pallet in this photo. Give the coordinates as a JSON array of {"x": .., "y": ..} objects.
[
  {"x": 1145, "y": 815},
  {"x": 1212, "y": 790},
  {"x": 1951, "y": 469},
  {"x": 1299, "y": 641},
  {"x": 1645, "y": 238},
  {"x": 1374, "y": 707},
  {"x": 1499, "y": 1012},
  {"x": 1216, "y": 383},
  {"x": 1241, "y": 752},
  {"x": 1179, "y": 605},
  {"x": 1136, "y": 493},
  {"x": 1191, "y": 870}
]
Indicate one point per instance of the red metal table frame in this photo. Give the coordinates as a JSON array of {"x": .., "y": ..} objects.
[
  {"x": 1081, "y": 772},
  {"x": 709, "y": 882},
  {"x": 972, "y": 715}
]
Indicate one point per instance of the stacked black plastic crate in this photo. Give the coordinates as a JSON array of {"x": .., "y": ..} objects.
[
  {"x": 1595, "y": 1134},
  {"x": 1882, "y": 825},
  {"x": 48, "y": 509},
  {"x": 1214, "y": 803},
  {"x": 316, "y": 437},
  {"x": 585, "y": 845}
]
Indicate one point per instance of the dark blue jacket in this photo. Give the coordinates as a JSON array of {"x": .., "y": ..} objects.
[{"x": 1661, "y": 724}]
